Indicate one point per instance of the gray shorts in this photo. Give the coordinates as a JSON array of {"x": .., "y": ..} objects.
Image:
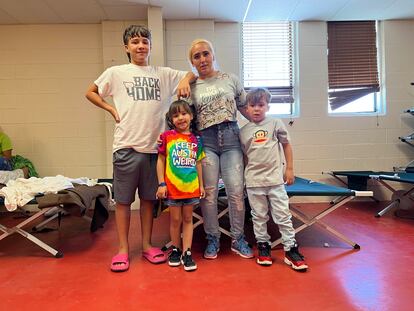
[{"x": 134, "y": 170}]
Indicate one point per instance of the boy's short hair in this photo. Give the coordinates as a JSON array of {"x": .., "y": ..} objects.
[
  {"x": 256, "y": 94},
  {"x": 133, "y": 31}
]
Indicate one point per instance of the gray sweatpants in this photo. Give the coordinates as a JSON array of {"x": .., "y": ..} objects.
[{"x": 260, "y": 198}]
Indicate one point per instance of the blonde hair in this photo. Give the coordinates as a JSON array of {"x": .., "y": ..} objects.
[{"x": 198, "y": 41}]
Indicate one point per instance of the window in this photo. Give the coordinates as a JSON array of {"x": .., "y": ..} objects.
[
  {"x": 353, "y": 67},
  {"x": 268, "y": 62}
]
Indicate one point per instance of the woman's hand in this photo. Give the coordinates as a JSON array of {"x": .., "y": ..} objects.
[{"x": 202, "y": 192}]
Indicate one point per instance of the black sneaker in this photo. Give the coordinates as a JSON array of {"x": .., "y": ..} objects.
[
  {"x": 188, "y": 262},
  {"x": 174, "y": 259},
  {"x": 264, "y": 257},
  {"x": 295, "y": 259}
]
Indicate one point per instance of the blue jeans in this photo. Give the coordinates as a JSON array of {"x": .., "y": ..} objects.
[{"x": 223, "y": 157}]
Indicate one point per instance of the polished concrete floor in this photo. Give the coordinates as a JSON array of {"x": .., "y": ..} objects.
[{"x": 379, "y": 276}]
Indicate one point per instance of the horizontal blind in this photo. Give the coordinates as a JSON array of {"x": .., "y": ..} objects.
[
  {"x": 352, "y": 61},
  {"x": 267, "y": 58}
]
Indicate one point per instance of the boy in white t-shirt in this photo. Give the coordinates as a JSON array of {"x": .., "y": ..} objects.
[{"x": 141, "y": 94}]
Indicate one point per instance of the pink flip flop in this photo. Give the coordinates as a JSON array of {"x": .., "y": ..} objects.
[
  {"x": 120, "y": 263},
  {"x": 154, "y": 255}
]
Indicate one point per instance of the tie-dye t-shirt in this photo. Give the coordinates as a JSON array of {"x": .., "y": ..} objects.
[{"x": 182, "y": 151}]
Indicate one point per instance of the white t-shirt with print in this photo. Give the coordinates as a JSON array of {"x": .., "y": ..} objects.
[{"x": 142, "y": 96}]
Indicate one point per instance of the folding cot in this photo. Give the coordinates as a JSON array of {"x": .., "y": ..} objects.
[
  {"x": 78, "y": 200},
  {"x": 358, "y": 179},
  {"x": 304, "y": 187}
]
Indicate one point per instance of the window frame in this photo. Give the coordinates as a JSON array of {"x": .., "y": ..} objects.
[
  {"x": 294, "y": 105},
  {"x": 378, "y": 97}
]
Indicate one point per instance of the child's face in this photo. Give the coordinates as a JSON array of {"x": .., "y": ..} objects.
[
  {"x": 257, "y": 111},
  {"x": 139, "y": 48},
  {"x": 202, "y": 59},
  {"x": 182, "y": 120}
]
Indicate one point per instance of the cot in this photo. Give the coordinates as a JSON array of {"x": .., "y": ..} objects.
[
  {"x": 358, "y": 179},
  {"x": 304, "y": 187},
  {"x": 78, "y": 200}
]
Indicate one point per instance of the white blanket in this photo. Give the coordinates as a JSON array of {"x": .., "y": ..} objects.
[{"x": 21, "y": 191}]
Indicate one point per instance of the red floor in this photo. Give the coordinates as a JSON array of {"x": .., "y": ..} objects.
[{"x": 379, "y": 276}]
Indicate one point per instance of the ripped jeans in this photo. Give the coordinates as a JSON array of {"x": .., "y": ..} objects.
[{"x": 224, "y": 158}]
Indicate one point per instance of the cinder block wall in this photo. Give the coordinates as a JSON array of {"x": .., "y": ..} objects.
[{"x": 43, "y": 78}]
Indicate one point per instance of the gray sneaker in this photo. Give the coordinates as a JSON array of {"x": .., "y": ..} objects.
[
  {"x": 213, "y": 247},
  {"x": 241, "y": 247}
]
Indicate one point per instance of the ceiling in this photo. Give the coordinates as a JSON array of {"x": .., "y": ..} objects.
[{"x": 95, "y": 11}]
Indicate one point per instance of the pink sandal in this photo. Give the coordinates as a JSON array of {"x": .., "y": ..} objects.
[
  {"x": 154, "y": 255},
  {"x": 120, "y": 263}
]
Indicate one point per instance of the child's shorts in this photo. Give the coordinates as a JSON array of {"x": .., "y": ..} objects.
[
  {"x": 182, "y": 202},
  {"x": 134, "y": 170}
]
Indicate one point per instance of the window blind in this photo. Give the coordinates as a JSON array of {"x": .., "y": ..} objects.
[
  {"x": 267, "y": 58},
  {"x": 352, "y": 61}
]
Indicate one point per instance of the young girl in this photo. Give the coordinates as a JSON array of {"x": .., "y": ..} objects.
[{"x": 180, "y": 180}]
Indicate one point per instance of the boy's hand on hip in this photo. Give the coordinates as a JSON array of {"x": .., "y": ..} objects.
[{"x": 115, "y": 114}]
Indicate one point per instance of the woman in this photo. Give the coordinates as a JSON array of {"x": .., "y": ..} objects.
[{"x": 217, "y": 96}]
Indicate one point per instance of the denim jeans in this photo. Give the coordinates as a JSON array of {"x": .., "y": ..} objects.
[{"x": 224, "y": 158}]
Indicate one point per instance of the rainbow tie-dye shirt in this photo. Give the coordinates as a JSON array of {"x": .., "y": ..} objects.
[{"x": 181, "y": 151}]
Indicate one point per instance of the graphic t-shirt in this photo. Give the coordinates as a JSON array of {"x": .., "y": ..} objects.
[
  {"x": 182, "y": 151},
  {"x": 217, "y": 99},
  {"x": 142, "y": 96},
  {"x": 261, "y": 145}
]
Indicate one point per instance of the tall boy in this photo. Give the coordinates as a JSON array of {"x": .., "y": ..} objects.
[
  {"x": 141, "y": 94},
  {"x": 261, "y": 139}
]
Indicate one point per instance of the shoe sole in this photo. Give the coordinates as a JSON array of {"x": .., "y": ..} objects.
[
  {"x": 189, "y": 269},
  {"x": 294, "y": 267},
  {"x": 174, "y": 264},
  {"x": 211, "y": 257},
  {"x": 242, "y": 255},
  {"x": 264, "y": 262}
]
